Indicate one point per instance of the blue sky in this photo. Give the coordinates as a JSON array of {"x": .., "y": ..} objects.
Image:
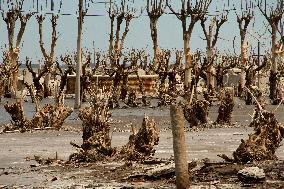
[{"x": 96, "y": 30}]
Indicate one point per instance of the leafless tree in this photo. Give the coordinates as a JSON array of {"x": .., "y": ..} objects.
[
  {"x": 48, "y": 57},
  {"x": 273, "y": 15},
  {"x": 222, "y": 67},
  {"x": 195, "y": 10},
  {"x": 155, "y": 9},
  {"x": 36, "y": 78},
  {"x": 250, "y": 72},
  {"x": 11, "y": 17},
  {"x": 67, "y": 60},
  {"x": 244, "y": 19},
  {"x": 211, "y": 37},
  {"x": 116, "y": 41}
]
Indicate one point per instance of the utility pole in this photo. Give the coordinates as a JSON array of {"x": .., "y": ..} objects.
[{"x": 77, "y": 104}]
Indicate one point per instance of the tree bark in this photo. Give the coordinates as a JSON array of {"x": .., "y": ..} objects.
[
  {"x": 179, "y": 146},
  {"x": 154, "y": 36},
  {"x": 77, "y": 104},
  {"x": 188, "y": 63},
  {"x": 273, "y": 71},
  {"x": 244, "y": 60}
]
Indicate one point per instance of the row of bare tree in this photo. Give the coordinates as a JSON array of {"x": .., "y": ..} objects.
[{"x": 190, "y": 13}]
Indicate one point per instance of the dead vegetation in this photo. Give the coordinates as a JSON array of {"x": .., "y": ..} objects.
[
  {"x": 197, "y": 112},
  {"x": 97, "y": 140},
  {"x": 48, "y": 117},
  {"x": 226, "y": 108},
  {"x": 263, "y": 143}
]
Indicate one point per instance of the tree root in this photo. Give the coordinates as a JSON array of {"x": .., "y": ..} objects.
[
  {"x": 97, "y": 142},
  {"x": 262, "y": 144},
  {"x": 48, "y": 116}
]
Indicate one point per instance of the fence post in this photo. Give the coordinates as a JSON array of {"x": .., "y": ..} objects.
[{"x": 179, "y": 147}]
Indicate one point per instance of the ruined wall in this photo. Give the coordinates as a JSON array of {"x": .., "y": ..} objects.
[{"x": 105, "y": 82}]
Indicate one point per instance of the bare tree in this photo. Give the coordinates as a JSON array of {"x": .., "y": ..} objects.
[
  {"x": 155, "y": 9},
  {"x": 48, "y": 57},
  {"x": 222, "y": 67},
  {"x": 195, "y": 10},
  {"x": 10, "y": 18},
  {"x": 36, "y": 79},
  {"x": 5, "y": 72},
  {"x": 116, "y": 40},
  {"x": 273, "y": 15},
  {"x": 244, "y": 19},
  {"x": 250, "y": 72},
  {"x": 211, "y": 37},
  {"x": 67, "y": 60}
]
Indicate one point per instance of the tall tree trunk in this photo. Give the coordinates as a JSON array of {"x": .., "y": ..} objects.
[
  {"x": 13, "y": 58},
  {"x": 179, "y": 147},
  {"x": 210, "y": 77},
  {"x": 47, "y": 91},
  {"x": 188, "y": 63},
  {"x": 273, "y": 71},
  {"x": 77, "y": 104},
  {"x": 243, "y": 73},
  {"x": 154, "y": 36}
]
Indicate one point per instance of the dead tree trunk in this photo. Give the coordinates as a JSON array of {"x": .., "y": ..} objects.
[
  {"x": 155, "y": 9},
  {"x": 116, "y": 41},
  {"x": 195, "y": 11},
  {"x": 10, "y": 19},
  {"x": 179, "y": 146},
  {"x": 97, "y": 141},
  {"x": 196, "y": 113},
  {"x": 48, "y": 58},
  {"x": 226, "y": 108},
  {"x": 36, "y": 79},
  {"x": 250, "y": 73},
  {"x": 141, "y": 144},
  {"x": 273, "y": 17},
  {"x": 262, "y": 144},
  {"x": 222, "y": 67},
  {"x": 243, "y": 20},
  {"x": 211, "y": 37}
]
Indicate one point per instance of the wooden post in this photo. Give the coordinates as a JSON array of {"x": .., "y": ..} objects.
[
  {"x": 179, "y": 146},
  {"x": 77, "y": 104}
]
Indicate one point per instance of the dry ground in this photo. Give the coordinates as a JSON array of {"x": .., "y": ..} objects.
[{"x": 18, "y": 170}]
